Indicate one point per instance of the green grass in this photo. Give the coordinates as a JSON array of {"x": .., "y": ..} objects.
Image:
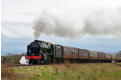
[{"x": 92, "y": 71}]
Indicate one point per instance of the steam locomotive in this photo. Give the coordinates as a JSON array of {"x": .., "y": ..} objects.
[{"x": 41, "y": 52}]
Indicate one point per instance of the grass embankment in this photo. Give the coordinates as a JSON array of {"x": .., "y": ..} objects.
[{"x": 89, "y": 71}]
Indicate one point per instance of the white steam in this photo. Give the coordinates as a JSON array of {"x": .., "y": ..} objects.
[
  {"x": 105, "y": 22},
  {"x": 23, "y": 60}
]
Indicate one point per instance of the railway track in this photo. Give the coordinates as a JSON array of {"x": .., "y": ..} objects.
[{"x": 18, "y": 65}]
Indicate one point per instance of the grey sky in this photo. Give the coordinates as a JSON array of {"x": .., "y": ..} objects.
[
  {"x": 25, "y": 11},
  {"x": 18, "y": 15}
]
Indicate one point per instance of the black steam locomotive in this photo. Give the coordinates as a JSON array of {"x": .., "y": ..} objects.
[{"x": 41, "y": 52}]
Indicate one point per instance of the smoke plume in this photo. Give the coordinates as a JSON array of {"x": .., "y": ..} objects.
[{"x": 74, "y": 24}]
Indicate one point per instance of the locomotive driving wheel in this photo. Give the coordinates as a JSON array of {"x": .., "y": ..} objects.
[
  {"x": 44, "y": 59},
  {"x": 38, "y": 62}
]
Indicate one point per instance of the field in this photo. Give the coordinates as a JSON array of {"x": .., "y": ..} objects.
[{"x": 82, "y": 71}]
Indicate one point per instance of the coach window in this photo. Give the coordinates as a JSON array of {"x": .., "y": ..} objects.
[
  {"x": 72, "y": 52},
  {"x": 80, "y": 53},
  {"x": 66, "y": 51},
  {"x": 86, "y": 54}
]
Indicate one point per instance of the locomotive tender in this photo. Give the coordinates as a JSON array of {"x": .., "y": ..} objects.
[{"x": 41, "y": 52}]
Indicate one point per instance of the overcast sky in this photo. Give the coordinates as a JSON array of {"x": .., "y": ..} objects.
[{"x": 18, "y": 15}]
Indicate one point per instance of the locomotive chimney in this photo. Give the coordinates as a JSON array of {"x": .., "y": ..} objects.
[{"x": 36, "y": 40}]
